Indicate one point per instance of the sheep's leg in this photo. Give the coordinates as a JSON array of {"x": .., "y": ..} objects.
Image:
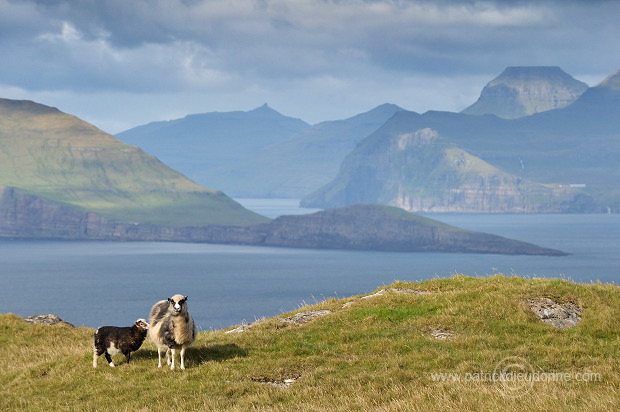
[
  {"x": 95, "y": 358},
  {"x": 173, "y": 351},
  {"x": 168, "y": 356},
  {"x": 109, "y": 359},
  {"x": 127, "y": 354},
  {"x": 159, "y": 357},
  {"x": 183, "y": 357}
]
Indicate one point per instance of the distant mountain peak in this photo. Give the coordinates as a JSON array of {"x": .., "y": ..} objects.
[
  {"x": 612, "y": 81},
  {"x": 524, "y": 90},
  {"x": 264, "y": 108},
  {"x": 531, "y": 72}
]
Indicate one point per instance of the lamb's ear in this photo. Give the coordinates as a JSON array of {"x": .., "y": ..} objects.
[
  {"x": 185, "y": 297},
  {"x": 169, "y": 300}
]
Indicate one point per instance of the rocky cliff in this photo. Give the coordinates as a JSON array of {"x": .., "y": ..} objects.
[
  {"x": 423, "y": 172},
  {"x": 26, "y": 216},
  {"x": 522, "y": 91}
]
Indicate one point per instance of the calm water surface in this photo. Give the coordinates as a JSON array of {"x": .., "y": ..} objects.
[{"x": 114, "y": 283}]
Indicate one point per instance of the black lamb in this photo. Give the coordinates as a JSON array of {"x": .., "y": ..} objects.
[{"x": 110, "y": 340}]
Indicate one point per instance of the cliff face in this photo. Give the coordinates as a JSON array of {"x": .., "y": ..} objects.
[
  {"x": 359, "y": 227},
  {"x": 26, "y": 216},
  {"x": 422, "y": 172},
  {"x": 522, "y": 91}
]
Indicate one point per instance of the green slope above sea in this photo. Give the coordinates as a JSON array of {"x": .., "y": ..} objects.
[
  {"x": 456, "y": 344},
  {"x": 61, "y": 158}
]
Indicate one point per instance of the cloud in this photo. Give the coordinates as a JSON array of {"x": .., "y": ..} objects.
[{"x": 254, "y": 50}]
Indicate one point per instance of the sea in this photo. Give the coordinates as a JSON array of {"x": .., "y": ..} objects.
[{"x": 94, "y": 283}]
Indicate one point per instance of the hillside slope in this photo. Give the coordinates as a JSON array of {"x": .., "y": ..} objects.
[
  {"x": 56, "y": 156},
  {"x": 431, "y": 345}
]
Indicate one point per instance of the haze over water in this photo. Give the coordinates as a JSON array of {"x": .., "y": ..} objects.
[{"x": 114, "y": 283}]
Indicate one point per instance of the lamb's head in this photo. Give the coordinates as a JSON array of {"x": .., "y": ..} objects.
[
  {"x": 141, "y": 324},
  {"x": 178, "y": 304}
]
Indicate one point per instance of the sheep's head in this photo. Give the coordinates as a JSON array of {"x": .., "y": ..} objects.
[
  {"x": 177, "y": 302},
  {"x": 141, "y": 324}
]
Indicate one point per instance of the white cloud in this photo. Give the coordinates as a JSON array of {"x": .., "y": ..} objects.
[{"x": 315, "y": 59}]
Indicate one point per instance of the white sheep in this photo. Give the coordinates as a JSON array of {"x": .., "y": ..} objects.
[
  {"x": 110, "y": 340},
  {"x": 172, "y": 327}
]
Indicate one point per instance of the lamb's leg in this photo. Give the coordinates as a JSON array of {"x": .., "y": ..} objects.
[
  {"x": 183, "y": 357},
  {"x": 109, "y": 359},
  {"x": 173, "y": 350},
  {"x": 159, "y": 357},
  {"x": 95, "y": 357}
]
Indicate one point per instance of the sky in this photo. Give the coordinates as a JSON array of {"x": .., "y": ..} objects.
[{"x": 123, "y": 63}]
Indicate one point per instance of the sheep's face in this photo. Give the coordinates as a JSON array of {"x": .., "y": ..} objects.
[
  {"x": 177, "y": 302},
  {"x": 141, "y": 324}
]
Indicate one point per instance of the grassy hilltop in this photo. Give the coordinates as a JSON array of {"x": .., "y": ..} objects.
[
  {"x": 56, "y": 156},
  {"x": 389, "y": 352}
]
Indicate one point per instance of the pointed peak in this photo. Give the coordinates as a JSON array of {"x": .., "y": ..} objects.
[{"x": 264, "y": 109}]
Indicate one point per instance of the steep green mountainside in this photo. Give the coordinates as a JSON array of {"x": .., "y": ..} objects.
[
  {"x": 522, "y": 91},
  {"x": 578, "y": 145},
  {"x": 424, "y": 172},
  {"x": 446, "y": 344},
  {"x": 308, "y": 160},
  {"x": 61, "y": 158},
  {"x": 197, "y": 145}
]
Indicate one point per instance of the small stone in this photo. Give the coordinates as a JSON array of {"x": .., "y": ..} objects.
[
  {"x": 48, "y": 319},
  {"x": 395, "y": 290},
  {"x": 304, "y": 317},
  {"x": 563, "y": 316},
  {"x": 442, "y": 334}
]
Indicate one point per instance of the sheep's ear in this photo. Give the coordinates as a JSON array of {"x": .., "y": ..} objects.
[
  {"x": 169, "y": 300},
  {"x": 185, "y": 297}
]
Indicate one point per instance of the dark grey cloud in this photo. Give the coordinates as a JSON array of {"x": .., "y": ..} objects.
[{"x": 257, "y": 50}]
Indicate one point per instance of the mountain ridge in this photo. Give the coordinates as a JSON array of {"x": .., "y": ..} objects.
[
  {"x": 305, "y": 161},
  {"x": 198, "y": 144}
]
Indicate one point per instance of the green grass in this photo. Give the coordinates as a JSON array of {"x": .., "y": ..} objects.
[{"x": 375, "y": 354}]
